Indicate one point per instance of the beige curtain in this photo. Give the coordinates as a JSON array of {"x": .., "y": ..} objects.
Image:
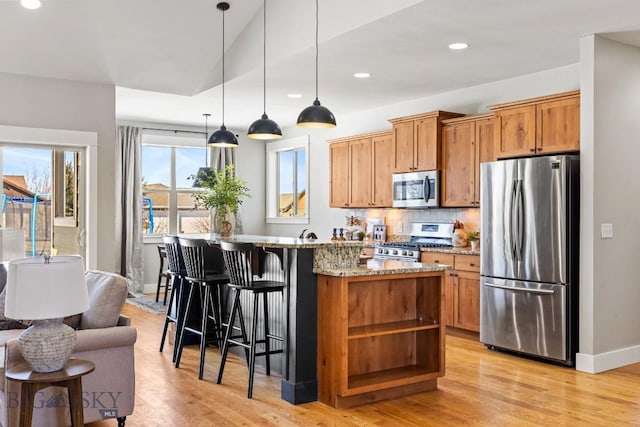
[{"x": 129, "y": 210}]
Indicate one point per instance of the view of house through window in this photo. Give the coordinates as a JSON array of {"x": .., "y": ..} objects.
[
  {"x": 40, "y": 196},
  {"x": 168, "y": 163},
  {"x": 288, "y": 181},
  {"x": 292, "y": 182}
]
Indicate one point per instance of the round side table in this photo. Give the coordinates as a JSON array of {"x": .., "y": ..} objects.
[{"x": 30, "y": 382}]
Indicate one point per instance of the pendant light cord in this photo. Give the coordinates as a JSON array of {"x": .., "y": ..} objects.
[
  {"x": 317, "y": 48},
  {"x": 264, "y": 58},
  {"x": 223, "y": 67},
  {"x": 206, "y": 138}
]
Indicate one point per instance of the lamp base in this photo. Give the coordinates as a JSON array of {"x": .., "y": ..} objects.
[{"x": 47, "y": 344}]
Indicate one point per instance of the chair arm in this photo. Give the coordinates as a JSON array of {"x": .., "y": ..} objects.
[{"x": 101, "y": 338}]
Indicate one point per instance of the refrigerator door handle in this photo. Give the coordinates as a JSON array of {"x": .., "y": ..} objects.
[
  {"x": 511, "y": 226},
  {"x": 519, "y": 203},
  {"x": 527, "y": 290}
]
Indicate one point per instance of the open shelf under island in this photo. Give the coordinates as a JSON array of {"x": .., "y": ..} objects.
[{"x": 380, "y": 333}]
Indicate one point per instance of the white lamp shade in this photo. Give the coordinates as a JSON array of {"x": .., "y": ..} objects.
[
  {"x": 11, "y": 244},
  {"x": 38, "y": 290}
]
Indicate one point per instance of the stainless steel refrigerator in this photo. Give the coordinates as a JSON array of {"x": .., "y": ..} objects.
[{"x": 529, "y": 215}]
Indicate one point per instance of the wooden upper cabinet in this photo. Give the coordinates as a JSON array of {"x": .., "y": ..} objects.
[
  {"x": 558, "y": 125},
  {"x": 360, "y": 165},
  {"x": 361, "y": 168},
  {"x": 403, "y": 147},
  {"x": 538, "y": 126},
  {"x": 382, "y": 170},
  {"x": 466, "y": 142},
  {"x": 416, "y": 141},
  {"x": 339, "y": 174}
]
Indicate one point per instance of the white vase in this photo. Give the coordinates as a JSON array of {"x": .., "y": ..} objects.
[
  {"x": 224, "y": 221},
  {"x": 474, "y": 245}
]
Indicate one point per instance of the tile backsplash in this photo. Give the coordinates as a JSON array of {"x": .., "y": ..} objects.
[{"x": 399, "y": 221}]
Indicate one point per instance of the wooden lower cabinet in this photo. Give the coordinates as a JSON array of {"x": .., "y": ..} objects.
[
  {"x": 461, "y": 288},
  {"x": 379, "y": 337}
]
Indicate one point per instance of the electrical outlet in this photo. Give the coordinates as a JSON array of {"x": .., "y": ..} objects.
[{"x": 606, "y": 231}]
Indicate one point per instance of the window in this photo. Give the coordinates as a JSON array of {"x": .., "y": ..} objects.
[
  {"x": 168, "y": 162},
  {"x": 287, "y": 181}
]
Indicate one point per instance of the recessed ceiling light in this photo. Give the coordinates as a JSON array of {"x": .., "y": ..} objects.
[
  {"x": 294, "y": 95},
  {"x": 458, "y": 46},
  {"x": 362, "y": 75},
  {"x": 30, "y": 4}
]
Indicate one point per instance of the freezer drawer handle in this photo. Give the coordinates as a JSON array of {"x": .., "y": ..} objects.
[{"x": 527, "y": 290}]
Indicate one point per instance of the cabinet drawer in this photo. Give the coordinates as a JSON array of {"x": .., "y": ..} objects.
[
  {"x": 436, "y": 258},
  {"x": 467, "y": 263}
]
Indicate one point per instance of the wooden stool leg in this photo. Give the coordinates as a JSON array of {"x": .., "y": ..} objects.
[
  {"x": 266, "y": 333},
  {"x": 227, "y": 335},
  {"x": 252, "y": 350},
  {"x": 205, "y": 321},
  {"x": 167, "y": 320},
  {"x": 184, "y": 323}
]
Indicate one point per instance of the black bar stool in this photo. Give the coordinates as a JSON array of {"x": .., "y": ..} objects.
[
  {"x": 205, "y": 272},
  {"x": 177, "y": 272},
  {"x": 163, "y": 274},
  {"x": 238, "y": 261}
]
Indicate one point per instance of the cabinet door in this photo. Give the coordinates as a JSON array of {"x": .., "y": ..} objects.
[
  {"x": 467, "y": 300},
  {"x": 458, "y": 164},
  {"x": 339, "y": 174},
  {"x": 403, "y": 147},
  {"x": 485, "y": 152},
  {"x": 515, "y": 131},
  {"x": 558, "y": 126},
  {"x": 360, "y": 161},
  {"x": 426, "y": 140},
  {"x": 382, "y": 170}
]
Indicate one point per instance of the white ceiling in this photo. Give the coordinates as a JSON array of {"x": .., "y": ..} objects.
[{"x": 164, "y": 56}]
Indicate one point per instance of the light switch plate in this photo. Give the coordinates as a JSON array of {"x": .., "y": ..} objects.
[{"x": 606, "y": 231}]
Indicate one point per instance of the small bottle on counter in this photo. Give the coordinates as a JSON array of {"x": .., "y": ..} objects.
[
  {"x": 342, "y": 235},
  {"x": 334, "y": 236}
]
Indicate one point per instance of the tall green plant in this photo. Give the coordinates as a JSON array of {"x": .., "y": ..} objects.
[{"x": 223, "y": 188}]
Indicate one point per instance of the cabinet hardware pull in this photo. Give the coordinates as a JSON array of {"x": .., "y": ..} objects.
[
  {"x": 532, "y": 149},
  {"x": 471, "y": 264}
]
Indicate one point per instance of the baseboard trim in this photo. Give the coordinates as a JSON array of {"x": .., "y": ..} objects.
[{"x": 597, "y": 363}]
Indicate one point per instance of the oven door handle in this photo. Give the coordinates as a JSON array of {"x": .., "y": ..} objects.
[{"x": 516, "y": 289}]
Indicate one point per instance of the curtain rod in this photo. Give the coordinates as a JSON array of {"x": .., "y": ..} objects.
[{"x": 175, "y": 130}]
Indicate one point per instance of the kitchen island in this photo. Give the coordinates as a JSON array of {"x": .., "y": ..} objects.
[
  {"x": 302, "y": 264},
  {"x": 380, "y": 331}
]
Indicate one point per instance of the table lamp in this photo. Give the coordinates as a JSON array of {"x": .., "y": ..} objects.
[
  {"x": 11, "y": 247},
  {"x": 46, "y": 289}
]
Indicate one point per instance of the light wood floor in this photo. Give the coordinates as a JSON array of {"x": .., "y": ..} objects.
[{"x": 480, "y": 387}]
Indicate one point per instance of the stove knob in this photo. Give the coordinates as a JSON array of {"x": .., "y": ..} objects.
[
  {"x": 394, "y": 252},
  {"x": 404, "y": 252},
  {"x": 386, "y": 251},
  {"x": 410, "y": 253}
]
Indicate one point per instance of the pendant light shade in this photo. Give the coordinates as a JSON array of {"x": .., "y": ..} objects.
[
  {"x": 316, "y": 116},
  {"x": 204, "y": 173},
  {"x": 264, "y": 127},
  {"x": 222, "y": 137}
]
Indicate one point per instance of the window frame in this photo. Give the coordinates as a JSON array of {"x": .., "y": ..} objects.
[
  {"x": 273, "y": 172},
  {"x": 171, "y": 142}
]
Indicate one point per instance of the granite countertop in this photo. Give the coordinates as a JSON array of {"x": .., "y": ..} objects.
[
  {"x": 460, "y": 251},
  {"x": 274, "y": 241},
  {"x": 376, "y": 267}
]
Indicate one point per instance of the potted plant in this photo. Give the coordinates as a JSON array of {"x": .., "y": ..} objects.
[
  {"x": 223, "y": 193},
  {"x": 474, "y": 238}
]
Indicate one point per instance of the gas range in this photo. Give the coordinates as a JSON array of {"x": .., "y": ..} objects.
[{"x": 423, "y": 235}]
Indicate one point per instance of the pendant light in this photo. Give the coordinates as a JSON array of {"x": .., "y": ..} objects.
[
  {"x": 205, "y": 172},
  {"x": 316, "y": 116},
  {"x": 264, "y": 128},
  {"x": 222, "y": 137}
]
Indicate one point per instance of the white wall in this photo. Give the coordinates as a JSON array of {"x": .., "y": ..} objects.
[
  {"x": 610, "y": 288},
  {"x": 33, "y": 102},
  {"x": 470, "y": 101}
]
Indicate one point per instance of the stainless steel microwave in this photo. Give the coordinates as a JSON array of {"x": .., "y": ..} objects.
[{"x": 416, "y": 189}]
